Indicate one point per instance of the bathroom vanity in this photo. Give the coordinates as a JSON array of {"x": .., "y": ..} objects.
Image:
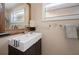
[{"x": 27, "y": 44}]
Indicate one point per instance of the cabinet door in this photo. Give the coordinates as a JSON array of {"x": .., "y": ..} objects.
[
  {"x": 33, "y": 50},
  {"x": 2, "y": 17}
]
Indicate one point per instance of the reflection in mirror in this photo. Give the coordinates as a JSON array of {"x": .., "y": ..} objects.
[{"x": 16, "y": 15}]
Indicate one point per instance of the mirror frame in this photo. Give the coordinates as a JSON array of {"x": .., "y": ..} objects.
[
  {"x": 29, "y": 14},
  {"x": 16, "y": 31}
]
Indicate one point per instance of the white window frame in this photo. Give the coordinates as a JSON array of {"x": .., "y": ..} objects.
[{"x": 68, "y": 17}]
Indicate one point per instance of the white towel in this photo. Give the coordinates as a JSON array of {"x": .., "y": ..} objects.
[{"x": 71, "y": 31}]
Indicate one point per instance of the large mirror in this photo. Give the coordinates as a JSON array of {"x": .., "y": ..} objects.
[{"x": 16, "y": 16}]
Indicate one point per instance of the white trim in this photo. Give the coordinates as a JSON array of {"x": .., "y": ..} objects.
[{"x": 71, "y": 17}]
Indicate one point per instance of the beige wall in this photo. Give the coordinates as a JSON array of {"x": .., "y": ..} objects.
[{"x": 54, "y": 41}]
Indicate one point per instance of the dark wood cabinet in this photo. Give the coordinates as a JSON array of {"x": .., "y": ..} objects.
[
  {"x": 33, "y": 50},
  {"x": 2, "y": 17}
]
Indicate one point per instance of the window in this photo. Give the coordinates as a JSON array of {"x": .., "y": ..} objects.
[
  {"x": 60, "y": 11},
  {"x": 17, "y": 16},
  {"x": 49, "y": 9}
]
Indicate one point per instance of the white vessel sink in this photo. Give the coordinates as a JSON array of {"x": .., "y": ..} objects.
[{"x": 25, "y": 40}]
